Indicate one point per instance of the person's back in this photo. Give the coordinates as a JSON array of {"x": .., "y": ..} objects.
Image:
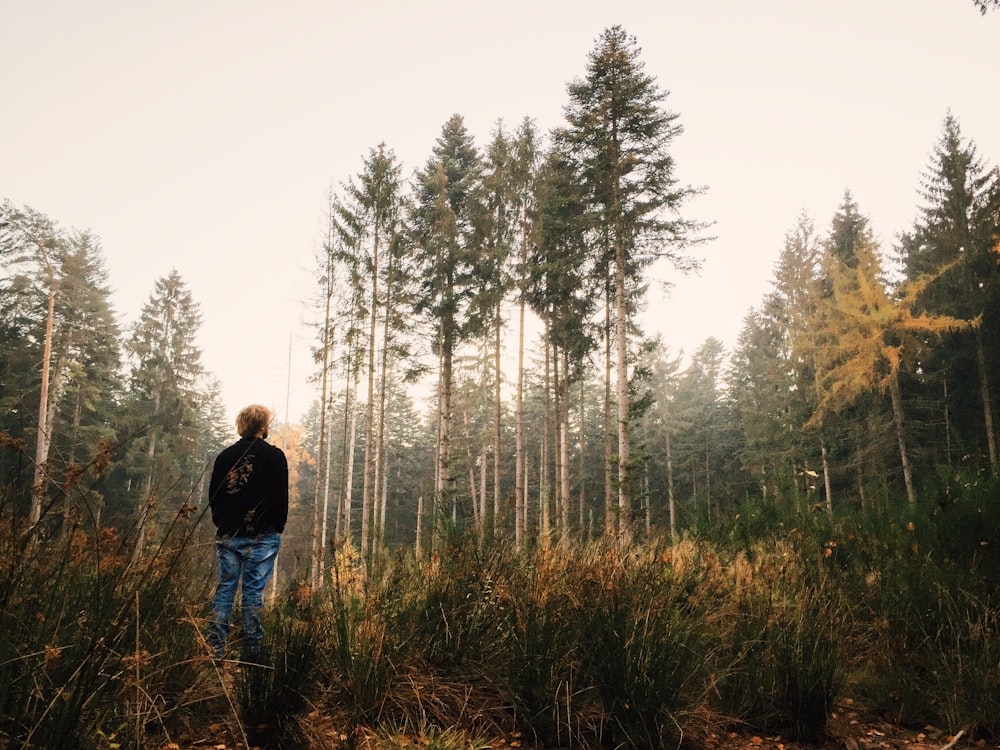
[
  {"x": 248, "y": 495},
  {"x": 248, "y": 492}
]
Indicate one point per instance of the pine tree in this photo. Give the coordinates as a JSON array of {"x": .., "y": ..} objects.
[
  {"x": 525, "y": 168},
  {"x": 497, "y": 227},
  {"x": 57, "y": 310},
  {"x": 619, "y": 136},
  {"x": 559, "y": 293},
  {"x": 442, "y": 226},
  {"x": 700, "y": 409},
  {"x": 369, "y": 220},
  {"x": 954, "y": 240},
  {"x": 166, "y": 396}
]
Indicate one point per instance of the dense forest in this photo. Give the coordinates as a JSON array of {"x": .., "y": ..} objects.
[
  {"x": 864, "y": 376},
  {"x": 862, "y": 383}
]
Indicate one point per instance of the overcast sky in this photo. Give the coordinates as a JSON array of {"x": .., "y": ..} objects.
[{"x": 205, "y": 136}]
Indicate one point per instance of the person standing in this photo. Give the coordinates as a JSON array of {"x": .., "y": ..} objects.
[{"x": 248, "y": 495}]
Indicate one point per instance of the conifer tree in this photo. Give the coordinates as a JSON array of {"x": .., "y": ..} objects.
[
  {"x": 525, "y": 168},
  {"x": 700, "y": 408},
  {"x": 369, "y": 221},
  {"x": 873, "y": 335},
  {"x": 166, "y": 395},
  {"x": 954, "y": 240},
  {"x": 56, "y": 310},
  {"x": 619, "y": 137},
  {"x": 443, "y": 230},
  {"x": 558, "y": 293}
]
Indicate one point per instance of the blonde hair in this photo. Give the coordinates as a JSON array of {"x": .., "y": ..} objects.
[{"x": 253, "y": 419}]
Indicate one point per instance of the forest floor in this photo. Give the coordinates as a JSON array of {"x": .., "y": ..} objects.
[
  {"x": 849, "y": 727},
  {"x": 852, "y": 727}
]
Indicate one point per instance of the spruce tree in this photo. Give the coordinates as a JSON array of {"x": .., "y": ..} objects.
[
  {"x": 619, "y": 136},
  {"x": 369, "y": 220},
  {"x": 953, "y": 242},
  {"x": 165, "y": 399},
  {"x": 442, "y": 223}
]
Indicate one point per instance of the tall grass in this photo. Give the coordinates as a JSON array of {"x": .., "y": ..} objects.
[{"x": 602, "y": 644}]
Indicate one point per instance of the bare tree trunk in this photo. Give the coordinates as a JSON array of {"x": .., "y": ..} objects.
[
  {"x": 670, "y": 490},
  {"x": 827, "y": 480},
  {"x": 325, "y": 515},
  {"x": 582, "y": 456},
  {"x": 497, "y": 420},
  {"x": 477, "y": 507},
  {"x": 543, "y": 469},
  {"x": 645, "y": 499},
  {"x": 351, "y": 442},
  {"x": 897, "y": 418},
  {"x": 446, "y": 490},
  {"x": 557, "y": 439},
  {"x": 621, "y": 345},
  {"x": 368, "y": 482},
  {"x": 520, "y": 490},
  {"x": 418, "y": 546},
  {"x": 610, "y": 512},
  {"x": 984, "y": 391},
  {"x": 44, "y": 437},
  {"x": 483, "y": 462},
  {"x": 381, "y": 471},
  {"x": 564, "y": 490},
  {"x": 322, "y": 476}
]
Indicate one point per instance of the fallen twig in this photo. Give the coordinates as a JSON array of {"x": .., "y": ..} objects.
[{"x": 954, "y": 740}]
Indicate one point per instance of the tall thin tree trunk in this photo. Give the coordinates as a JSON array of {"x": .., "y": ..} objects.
[
  {"x": 670, "y": 490},
  {"x": 557, "y": 439},
  {"x": 621, "y": 345},
  {"x": 478, "y": 507},
  {"x": 984, "y": 392},
  {"x": 827, "y": 480},
  {"x": 351, "y": 442},
  {"x": 322, "y": 480},
  {"x": 610, "y": 512},
  {"x": 581, "y": 457},
  {"x": 325, "y": 514},
  {"x": 44, "y": 437},
  {"x": 418, "y": 546},
  {"x": 438, "y": 444},
  {"x": 645, "y": 499},
  {"x": 897, "y": 418},
  {"x": 543, "y": 469},
  {"x": 447, "y": 344},
  {"x": 368, "y": 482},
  {"x": 381, "y": 470},
  {"x": 497, "y": 419},
  {"x": 564, "y": 489},
  {"x": 520, "y": 491}
]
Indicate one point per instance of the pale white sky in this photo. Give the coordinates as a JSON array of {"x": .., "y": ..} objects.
[{"x": 204, "y": 136}]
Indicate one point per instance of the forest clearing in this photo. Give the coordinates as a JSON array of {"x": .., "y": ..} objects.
[{"x": 580, "y": 541}]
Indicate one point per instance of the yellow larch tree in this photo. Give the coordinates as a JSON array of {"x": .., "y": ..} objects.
[{"x": 871, "y": 332}]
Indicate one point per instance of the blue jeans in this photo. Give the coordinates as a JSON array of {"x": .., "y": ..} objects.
[{"x": 250, "y": 559}]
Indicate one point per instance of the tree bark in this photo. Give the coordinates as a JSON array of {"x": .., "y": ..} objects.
[
  {"x": 621, "y": 346},
  {"x": 984, "y": 392},
  {"x": 44, "y": 438},
  {"x": 897, "y": 418}
]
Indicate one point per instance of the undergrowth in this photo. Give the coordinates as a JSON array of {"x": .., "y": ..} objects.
[{"x": 644, "y": 645}]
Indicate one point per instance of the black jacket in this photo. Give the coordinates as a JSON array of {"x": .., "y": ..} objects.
[{"x": 248, "y": 493}]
